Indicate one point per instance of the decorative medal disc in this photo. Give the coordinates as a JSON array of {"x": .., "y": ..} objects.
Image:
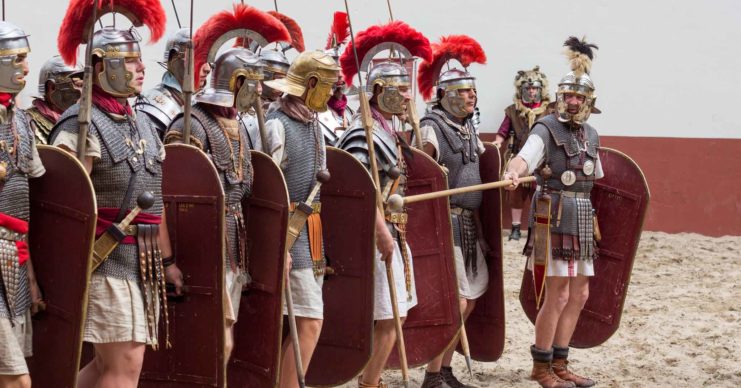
[
  {"x": 568, "y": 178},
  {"x": 588, "y": 168}
]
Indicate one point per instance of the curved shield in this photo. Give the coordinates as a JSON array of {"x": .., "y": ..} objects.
[
  {"x": 259, "y": 329},
  {"x": 621, "y": 201},
  {"x": 61, "y": 237},
  {"x": 194, "y": 205},
  {"x": 485, "y": 325},
  {"x": 348, "y": 226},
  {"x": 434, "y": 322}
]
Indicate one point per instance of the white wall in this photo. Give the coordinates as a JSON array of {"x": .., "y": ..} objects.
[{"x": 665, "y": 68}]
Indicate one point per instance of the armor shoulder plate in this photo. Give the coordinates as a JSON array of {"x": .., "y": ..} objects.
[
  {"x": 159, "y": 104},
  {"x": 354, "y": 142}
]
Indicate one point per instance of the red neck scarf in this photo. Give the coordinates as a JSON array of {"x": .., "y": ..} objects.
[
  {"x": 46, "y": 110},
  {"x": 6, "y": 99},
  {"x": 110, "y": 104},
  {"x": 532, "y": 105},
  {"x": 338, "y": 105}
]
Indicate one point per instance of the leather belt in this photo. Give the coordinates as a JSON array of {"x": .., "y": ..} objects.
[
  {"x": 316, "y": 207},
  {"x": 397, "y": 218},
  {"x": 459, "y": 211},
  {"x": 569, "y": 194},
  {"x": 234, "y": 209}
]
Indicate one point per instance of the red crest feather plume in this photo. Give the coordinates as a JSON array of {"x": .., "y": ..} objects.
[
  {"x": 462, "y": 48},
  {"x": 397, "y": 32},
  {"x": 243, "y": 17},
  {"x": 339, "y": 32},
  {"x": 297, "y": 36},
  {"x": 78, "y": 21}
]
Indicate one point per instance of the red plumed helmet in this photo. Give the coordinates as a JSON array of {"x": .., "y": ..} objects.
[
  {"x": 75, "y": 29},
  {"x": 339, "y": 31},
  {"x": 297, "y": 36},
  {"x": 462, "y": 48},
  {"x": 220, "y": 25},
  {"x": 397, "y": 33}
]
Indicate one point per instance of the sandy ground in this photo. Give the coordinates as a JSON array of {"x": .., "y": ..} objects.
[{"x": 681, "y": 326}]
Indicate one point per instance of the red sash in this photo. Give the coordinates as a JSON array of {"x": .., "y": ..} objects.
[
  {"x": 107, "y": 215},
  {"x": 19, "y": 226}
]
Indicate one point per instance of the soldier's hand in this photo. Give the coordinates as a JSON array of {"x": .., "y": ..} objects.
[
  {"x": 485, "y": 248},
  {"x": 287, "y": 269},
  {"x": 514, "y": 177},
  {"x": 385, "y": 245},
  {"x": 37, "y": 300},
  {"x": 175, "y": 276}
]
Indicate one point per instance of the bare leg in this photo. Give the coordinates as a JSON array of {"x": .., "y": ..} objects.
[
  {"x": 556, "y": 298},
  {"x": 120, "y": 364},
  {"x": 308, "y": 335},
  {"x": 578, "y": 295},
  {"x": 516, "y": 216},
  {"x": 15, "y": 381},
  {"x": 89, "y": 375},
  {"x": 228, "y": 341},
  {"x": 384, "y": 339}
]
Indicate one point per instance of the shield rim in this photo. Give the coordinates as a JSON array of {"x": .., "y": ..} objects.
[
  {"x": 373, "y": 256},
  {"x": 41, "y": 148}
]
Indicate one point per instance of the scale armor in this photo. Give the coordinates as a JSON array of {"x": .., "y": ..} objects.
[{"x": 15, "y": 202}]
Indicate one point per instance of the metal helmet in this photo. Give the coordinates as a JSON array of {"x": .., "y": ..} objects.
[
  {"x": 526, "y": 79},
  {"x": 276, "y": 66},
  {"x": 13, "y": 42},
  {"x": 57, "y": 72},
  {"x": 448, "y": 85},
  {"x": 228, "y": 68},
  {"x": 577, "y": 81},
  {"x": 275, "y": 63},
  {"x": 175, "y": 53},
  {"x": 113, "y": 47},
  {"x": 308, "y": 65},
  {"x": 391, "y": 77}
]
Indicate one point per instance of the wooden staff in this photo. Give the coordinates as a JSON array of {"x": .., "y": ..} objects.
[
  {"x": 397, "y": 202},
  {"x": 188, "y": 81},
  {"x": 86, "y": 99}
]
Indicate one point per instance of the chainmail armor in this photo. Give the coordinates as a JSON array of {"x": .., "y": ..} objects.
[
  {"x": 562, "y": 153},
  {"x": 110, "y": 175},
  {"x": 459, "y": 154},
  {"x": 304, "y": 148},
  {"x": 14, "y": 200}
]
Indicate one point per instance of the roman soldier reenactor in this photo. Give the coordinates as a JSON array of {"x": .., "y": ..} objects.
[
  {"x": 390, "y": 86},
  {"x": 531, "y": 103},
  {"x": 123, "y": 155},
  {"x": 449, "y": 136},
  {"x": 59, "y": 88},
  {"x": 562, "y": 152},
  {"x": 19, "y": 161},
  {"x": 297, "y": 146}
]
